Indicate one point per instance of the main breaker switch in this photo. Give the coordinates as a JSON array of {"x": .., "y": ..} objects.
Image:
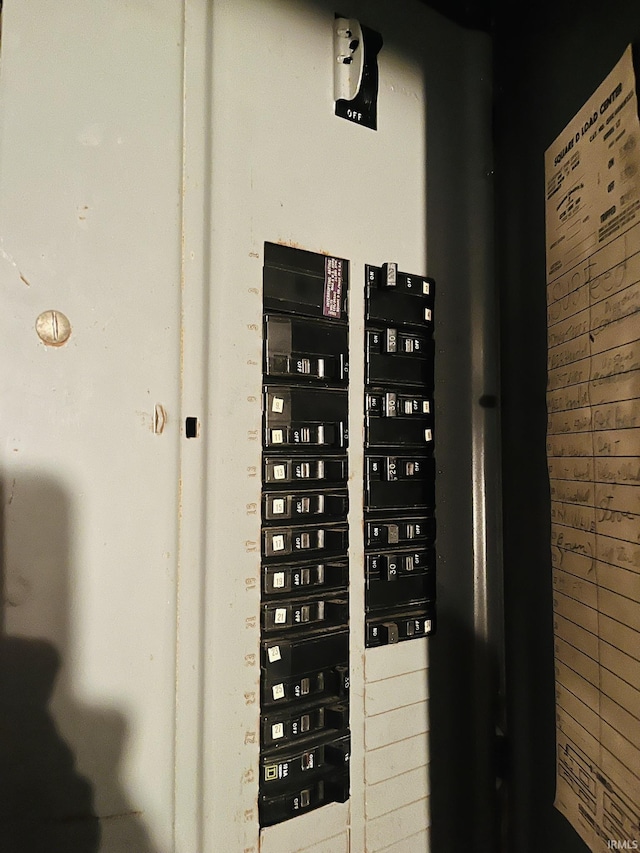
[{"x": 355, "y": 88}]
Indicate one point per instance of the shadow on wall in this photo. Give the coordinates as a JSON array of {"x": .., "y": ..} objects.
[
  {"x": 47, "y": 804},
  {"x": 467, "y": 787}
]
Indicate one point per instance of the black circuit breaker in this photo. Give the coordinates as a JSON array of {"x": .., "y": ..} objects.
[
  {"x": 399, "y": 469},
  {"x": 304, "y": 746}
]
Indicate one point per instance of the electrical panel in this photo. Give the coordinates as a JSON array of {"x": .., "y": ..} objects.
[
  {"x": 304, "y": 732},
  {"x": 241, "y": 580}
]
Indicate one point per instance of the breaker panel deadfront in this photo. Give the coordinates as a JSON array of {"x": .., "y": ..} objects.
[{"x": 220, "y": 486}]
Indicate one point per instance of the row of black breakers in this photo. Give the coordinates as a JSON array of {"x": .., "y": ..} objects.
[
  {"x": 399, "y": 474},
  {"x": 305, "y": 738}
]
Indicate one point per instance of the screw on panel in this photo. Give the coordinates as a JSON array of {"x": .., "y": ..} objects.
[{"x": 53, "y": 328}]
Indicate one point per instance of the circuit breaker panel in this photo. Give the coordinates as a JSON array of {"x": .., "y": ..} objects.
[
  {"x": 219, "y": 519},
  {"x": 304, "y": 733},
  {"x": 399, "y": 485}
]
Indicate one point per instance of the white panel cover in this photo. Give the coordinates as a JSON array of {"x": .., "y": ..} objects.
[{"x": 147, "y": 152}]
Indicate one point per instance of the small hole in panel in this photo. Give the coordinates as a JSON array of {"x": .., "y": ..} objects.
[{"x": 191, "y": 428}]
